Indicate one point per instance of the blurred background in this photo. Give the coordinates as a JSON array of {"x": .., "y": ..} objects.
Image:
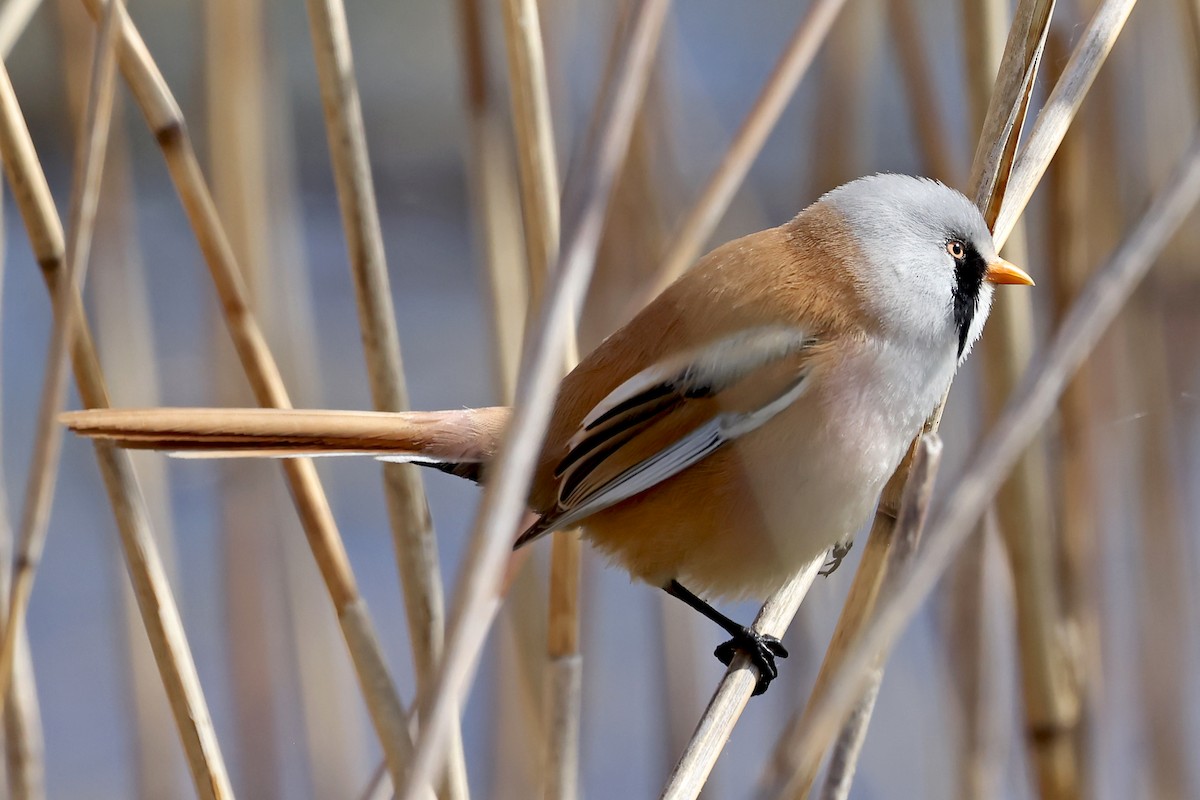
[{"x": 1097, "y": 538}]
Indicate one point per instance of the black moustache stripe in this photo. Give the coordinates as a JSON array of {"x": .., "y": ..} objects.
[{"x": 968, "y": 281}]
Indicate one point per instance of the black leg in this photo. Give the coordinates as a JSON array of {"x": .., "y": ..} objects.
[
  {"x": 760, "y": 648},
  {"x": 836, "y": 556}
]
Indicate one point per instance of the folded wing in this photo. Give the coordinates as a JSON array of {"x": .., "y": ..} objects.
[{"x": 672, "y": 415}]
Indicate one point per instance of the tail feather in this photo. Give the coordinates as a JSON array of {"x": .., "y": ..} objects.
[{"x": 459, "y": 441}]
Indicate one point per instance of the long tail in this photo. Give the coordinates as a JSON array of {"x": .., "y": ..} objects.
[{"x": 459, "y": 441}]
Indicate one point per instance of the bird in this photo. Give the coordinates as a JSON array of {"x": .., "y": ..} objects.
[{"x": 739, "y": 427}]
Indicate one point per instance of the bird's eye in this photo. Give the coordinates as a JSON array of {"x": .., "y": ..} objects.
[{"x": 956, "y": 249}]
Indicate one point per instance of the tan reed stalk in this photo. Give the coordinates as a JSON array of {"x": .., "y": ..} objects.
[
  {"x": 251, "y": 578},
  {"x": 1069, "y": 184},
  {"x": 518, "y": 737},
  {"x": 126, "y": 345},
  {"x": 1055, "y": 117},
  {"x": 1031, "y": 405},
  {"x": 971, "y": 633},
  {"x": 494, "y": 200},
  {"x": 1165, "y": 603},
  {"x": 1023, "y": 506},
  {"x": 1164, "y": 598},
  {"x": 159, "y": 611},
  {"x": 635, "y": 237},
  {"x": 412, "y": 526},
  {"x": 379, "y": 787},
  {"x": 24, "y": 745},
  {"x": 973, "y": 638},
  {"x": 166, "y": 122},
  {"x": 44, "y": 463},
  {"x": 1191, "y": 14},
  {"x": 504, "y": 498},
  {"x": 787, "y": 776},
  {"x": 533, "y": 126},
  {"x": 734, "y": 691},
  {"x": 926, "y": 117},
  {"x": 1008, "y": 104},
  {"x": 14, "y": 18},
  {"x": 840, "y": 113},
  {"x": 914, "y": 507},
  {"x": 335, "y": 738},
  {"x": 703, "y": 217}
]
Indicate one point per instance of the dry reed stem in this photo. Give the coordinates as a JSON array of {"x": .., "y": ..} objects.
[
  {"x": 784, "y": 775},
  {"x": 840, "y": 109},
  {"x": 236, "y": 107},
  {"x": 14, "y": 18},
  {"x": 985, "y": 29},
  {"x": 888, "y": 549},
  {"x": 714, "y": 199},
  {"x": 1056, "y": 115},
  {"x": 843, "y": 760},
  {"x": 1025, "y": 519},
  {"x": 533, "y": 126},
  {"x": 970, "y": 633},
  {"x": 335, "y": 737},
  {"x": 1030, "y": 406},
  {"x": 1069, "y": 185},
  {"x": 1191, "y": 12},
  {"x": 973, "y": 634},
  {"x": 408, "y": 510},
  {"x": 24, "y": 745},
  {"x": 1025, "y": 515},
  {"x": 1164, "y": 600},
  {"x": 734, "y": 692},
  {"x": 504, "y": 498},
  {"x": 927, "y": 119},
  {"x": 538, "y": 163},
  {"x": 494, "y": 201},
  {"x": 159, "y": 612},
  {"x": 902, "y": 547},
  {"x": 379, "y": 785},
  {"x": 125, "y": 343},
  {"x": 1008, "y": 103},
  {"x": 166, "y": 123},
  {"x": 44, "y": 462}
]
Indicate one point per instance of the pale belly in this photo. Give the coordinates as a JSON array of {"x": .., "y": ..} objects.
[{"x": 747, "y": 518}]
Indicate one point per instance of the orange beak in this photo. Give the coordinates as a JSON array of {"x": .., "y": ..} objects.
[{"x": 1001, "y": 271}]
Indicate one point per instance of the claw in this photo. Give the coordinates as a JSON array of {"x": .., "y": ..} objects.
[
  {"x": 836, "y": 556},
  {"x": 760, "y": 648}
]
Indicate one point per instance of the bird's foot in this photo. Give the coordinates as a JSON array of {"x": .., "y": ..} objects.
[
  {"x": 836, "y": 556},
  {"x": 761, "y": 650}
]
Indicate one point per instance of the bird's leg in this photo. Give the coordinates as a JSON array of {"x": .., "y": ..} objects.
[
  {"x": 837, "y": 555},
  {"x": 759, "y": 647}
]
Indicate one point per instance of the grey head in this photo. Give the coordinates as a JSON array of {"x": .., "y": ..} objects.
[{"x": 926, "y": 250}]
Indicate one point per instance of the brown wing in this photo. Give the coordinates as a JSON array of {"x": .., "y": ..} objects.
[{"x": 674, "y": 414}]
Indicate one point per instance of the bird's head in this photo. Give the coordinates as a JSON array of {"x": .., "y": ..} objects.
[{"x": 927, "y": 261}]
